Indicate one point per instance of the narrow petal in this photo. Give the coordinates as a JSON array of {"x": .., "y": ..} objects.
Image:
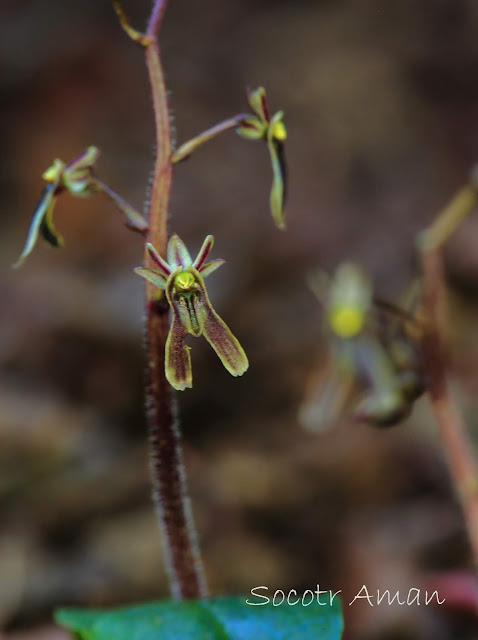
[
  {"x": 178, "y": 255},
  {"x": 221, "y": 339},
  {"x": 156, "y": 258},
  {"x": 77, "y": 176},
  {"x": 42, "y": 223},
  {"x": 252, "y": 129},
  {"x": 210, "y": 266},
  {"x": 258, "y": 101},
  {"x": 329, "y": 401},
  {"x": 47, "y": 229},
  {"x": 383, "y": 403},
  {"x": 152, "y": 275},
  {"x": 85, "y": 160},
  {"x": 177, "y": 364},
  {"x": 279, "y": 182},
  {"x": 203, "y": 252}
]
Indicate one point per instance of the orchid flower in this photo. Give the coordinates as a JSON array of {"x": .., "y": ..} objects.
[
  {"x": 272, "y": 129},
  {"x": 77, "y": 178},
  {"x": 182, "y": 279},
  {"x": 257, "y": 126},
  {"x": 374, "y": 368}
]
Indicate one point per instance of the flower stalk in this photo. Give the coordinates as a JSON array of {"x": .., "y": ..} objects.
[
  {"x": 173, "y": 507},
  {"x": 451, "y": 430}
]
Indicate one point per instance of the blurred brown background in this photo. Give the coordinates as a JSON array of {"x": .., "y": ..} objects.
[{"x": 381, "y": 103}]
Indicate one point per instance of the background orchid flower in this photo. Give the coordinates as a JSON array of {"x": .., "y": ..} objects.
[
  {"x": 375, "y": 370},
  {"x": 79, "y": 179},
  {"x": 272, "y": 129},
  {"x": 183, "y": 281}
]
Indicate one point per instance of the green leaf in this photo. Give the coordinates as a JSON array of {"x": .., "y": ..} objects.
[{"x": 229, "y": 618}]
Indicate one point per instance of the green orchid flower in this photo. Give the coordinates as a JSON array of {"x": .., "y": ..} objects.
[
  {"x": 259, "y": 126},
  {"x": 79, "y": 179},
  {"x": 262, "y": 126},
  {"x": 182, "y": 279}
]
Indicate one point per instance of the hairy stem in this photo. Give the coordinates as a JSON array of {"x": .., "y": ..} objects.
[
  {"x": 451, "y": 430},
  {"x": 173, "y": 507}
]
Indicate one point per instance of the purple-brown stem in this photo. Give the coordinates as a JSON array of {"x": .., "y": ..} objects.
[
  {"x": 181, "y": 551},
  {"x": 451, "y": 430}
]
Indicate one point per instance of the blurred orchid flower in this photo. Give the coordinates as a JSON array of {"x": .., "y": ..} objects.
[
  {"x": 262, "y": 126},
  {"x": 374, "y": 365},
  {"x": 183, "y": 281},
  {"x": 79, "y": 179}
]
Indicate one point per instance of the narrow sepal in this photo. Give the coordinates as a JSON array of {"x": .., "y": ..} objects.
[
  {"x": 86, "y": 160},
  {"x": 258, "y": 102},
  {"x": 77, "y": 176},
  {"x": 210, "y": 266},
  {"x": 178, "y": 255},
  {"x": 47, "y": 228},
  {"x": 42, "y": 223},
  {"x": 252, "y": 129},
  {"x": 221, "y": 339},
  {"x": 279, "y": 182},
  {"x": 177, "y": 366},
  {"x": 156, "y": 258},
  {"x": 154, "y": 276},
  {"x": 329, "y": 402},
  {"x": 204, "y": 251}
]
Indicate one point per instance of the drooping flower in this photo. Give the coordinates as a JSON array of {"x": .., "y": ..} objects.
[
  {"x": 182, "y": 279},
  {"x": 375, "y": 370},
  {"x": 79, "y": 179},
  {"x": 262, "y": 126}
]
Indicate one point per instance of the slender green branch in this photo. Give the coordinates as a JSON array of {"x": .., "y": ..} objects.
[{"x": 178, "y": 534}]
